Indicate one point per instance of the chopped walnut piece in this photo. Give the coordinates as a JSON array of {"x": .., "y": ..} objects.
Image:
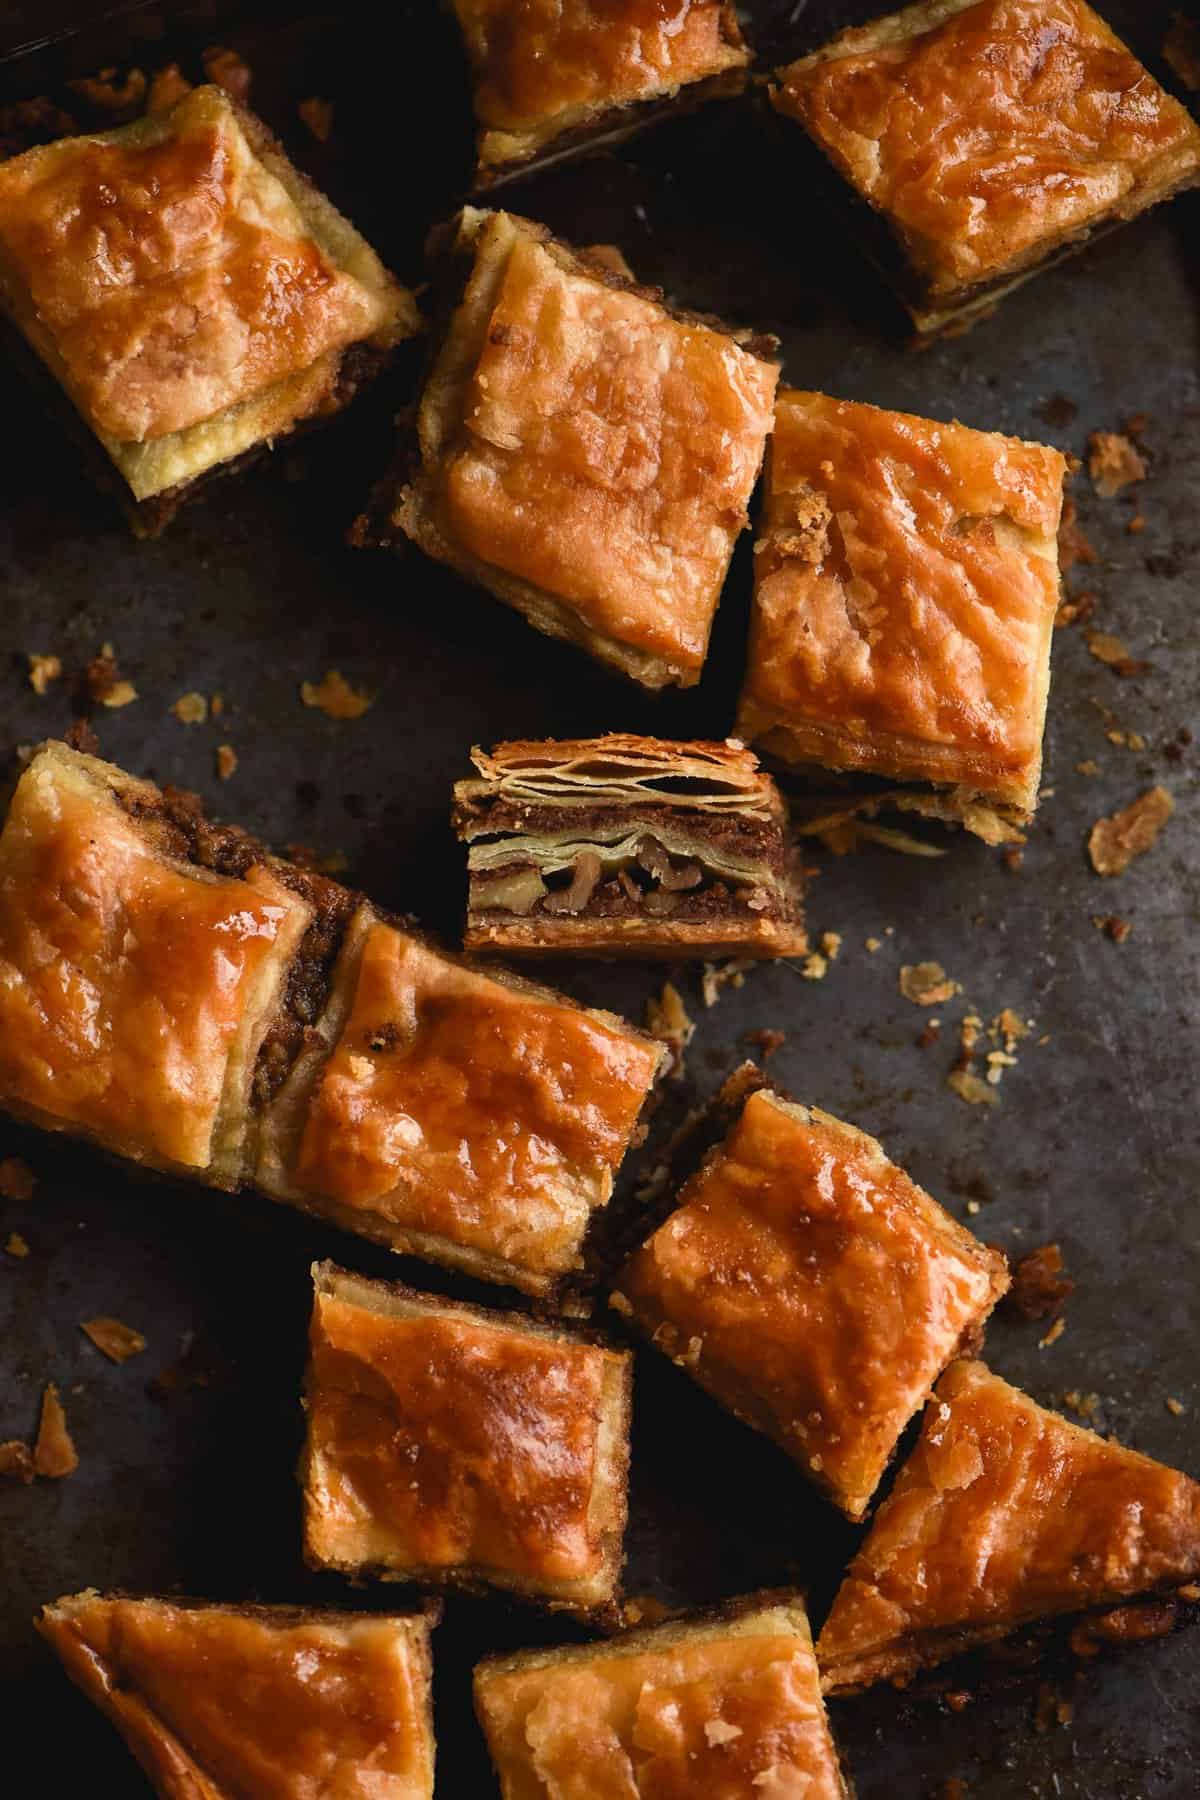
[
  {"x": 103, "y": 92},
  {"x": 927, "y": 984},
  {"x": 54, "y": 1454},
  {"x": 167, "y": 88},
  {"x": 228, "y": 71},
  {"x": 42, "y": 671},
  {"x": 17, "y": 1179},
  {"x": 1073, "y": 543},
  {"x": 80, "y": 736},
  {"x": 967, "y": 1085},
  {"x": 1113, "y": 651},
  {"x": 1040, "y": 1284},
  {"x": 1076, "y": 607},
  {"x": 1113, "y": 462},
  {"x": 668, "y": 1020},
  {"x": 15, "y": 1245},
  {"x": 766, "y": 1041},
  {"x": 104, "y": 682},
  {"x": 585, "y": 875},
  {"x": 114, "y": 1339},
  {"x": 318, "y": 116},
  {"x": 334, "y": 696},
  {"x": 1113, "y": 926},
  {"x": 191, "y": 709},
  {"x": 16, "y": 1461},
  {"x": 1114, "y": 841},
  {"x": 227, "y": 761},
  {"x": 1181, "y": 50}
]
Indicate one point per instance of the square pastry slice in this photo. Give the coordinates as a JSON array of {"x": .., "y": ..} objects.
[
  {"x": 906, "y": 581},
  {"x": 224, "y": 1702},
  {"x": 726, "y": 1706},
  {"x": 807, "y": 1284},
  {"x": 584, "y": 453},
  {"x": 1004, "y": 1514},
  {"x": 137, "y": 985},
  {"x": 553, "y": 77},
  {"x": 189, "y": 291},
  {"x": 451, "y": 1445},
  {"x": 987, "y": 137},
  {"x": 473, "y": 1119},
  {"x": 628, "y": 846}
]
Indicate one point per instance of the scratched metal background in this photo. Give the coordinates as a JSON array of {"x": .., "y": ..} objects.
[{"x": 188, "y": 1485}]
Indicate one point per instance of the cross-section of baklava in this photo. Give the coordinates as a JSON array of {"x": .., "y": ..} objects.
[
  {"x": 554, "y": 78},
  {"x": 583, "y": 453},
  {"x": 192, "y": 295},
  {"x": 228, "y": 1702},
  {"x": 451, "y": 1445},
  {"x": 726, "y": 1705},
  {"x": 984, "y": 138},
  {"x": 906, "y": 581},
  {"x": 628, "y": 846},
  {"x": 1006, "y": 1514},
  {"x": 473, "y": 1119},
  {"x": 807, "y": 1284}
]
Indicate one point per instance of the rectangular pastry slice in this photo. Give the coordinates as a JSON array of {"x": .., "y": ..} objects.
[
  {"x": 628, "y": 846},
  {"x": 1004, "y": 1514},
  {"x": 189, "y": 291},
  {"x": 584, "y": 453},
  {"x": 554, "y": 78},
  {"x": 474, "y": 1119},
  {"x": 726, "y": 1705},
  {"x": 223, "y": 1702},
  {"x": 447, "y": 1444},
  {"x": 906, "y": 580},
  {"x": 983, "y": 138},
  {"x": 137, "y": 985},
  {"x": 807, "y": 1284}
]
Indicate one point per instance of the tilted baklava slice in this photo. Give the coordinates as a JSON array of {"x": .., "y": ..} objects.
[
  {"x": 1006, "y": 1514},
  {"x": 556, "y": 77},
  {"x": 628, "y": 846},
  {"x": 725, "y": 1705},
  {"x": 451, "y": 1445},
  {"x": 227, "y": 1702},
  {"x": 813, "y": 1289},
  {"x": 193, "y": 296},
  {"x": 905, "y": 585},
  {"x": 982, "y": 139},
  {"x": 583, "y": 452}
]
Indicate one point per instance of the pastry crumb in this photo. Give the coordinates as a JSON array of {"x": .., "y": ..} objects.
[
  {"x": 668, "y": 1020},
  {"x": 43, "y": 670},
  {"x": 716, "y": 977},
  {"x": 1113, "y": 926},
  {"x": 644, "y": 1609},
  {"x": 927, "y": 984},
  {"x": 17, "y": 1179},
  {"x": 191, "y": 709},
  {"x": 104, "y": 683},
  {"x": 1074, "y": 546},
  {"x": 1114, "y": 653},
  {"x": 54, "y": 1454},
  {"x": 334, "y": 696},
  {"x": 873, "y": 944},
  {"x": 1175, "y": 1407},
  {"x": 16, "y": 1461},
  {"x": 1113, "y": 462},
  {"x": 113, "y": 1338},
  {"x": 967, "y": 1085},
  {"x": 766, "y": 1041},
  {"x": 814, "y": 967},
  {"x": 1040, "y": 1283},
  {"x": 1086, "y": 1405},
  {"x": 1114, "y": 841},
  {"x": 1055, "y": 1332},
  {"x": 15, "y": 1245},
  {"x": 1087, "y": 767},
  {"x": 227, "y": 761},
  {"x": 831, "y": 944}
]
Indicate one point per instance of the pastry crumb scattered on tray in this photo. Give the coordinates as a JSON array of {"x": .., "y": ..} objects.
[
  {"x": 43, "y": 670},
  {"x": 17, "y": 1179},
  {"x": 191, "y": 709},
  {"x": 1114, "y": 652},
  {"x": 54, "y": 1453},
  {"x": 1114, "y": 841},
  {"x": 668, "y": 1020},
  {"x": 226, "y": 761},
  {"x": 1113, "y": 926},
  {"x": 927, "y": 984},
  {"x": 15, "y": 1245},
  {"x": 1040, "y": 1283},
  {"x": 114, "y": 1338},
  {"x": 334, "y": 696},
  {"x": 1114, "y": 462},
  {"x": 16, "y": 1461},
  {"x": 104, "y": 683}
]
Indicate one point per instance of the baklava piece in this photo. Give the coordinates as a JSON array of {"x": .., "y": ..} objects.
[
  {"x": 191, "y": 294},
  {"x": 1005, "y": 1514},
  {"x": 137, "y": 987},
  {"x": 554, "y": 78},
  {"x": 628, "y": 846},
  {"x": 583, "y": 453},
  {"x": 224, "y": 1702},
  {"x": 983, "y": 138},
  {"x": 813, "y": 1289},
  {"x": 906, "y": 581},
  {"x": 451, "y": 1445},
  {"x": 727, "y": 1705},
  {"x": 472, "y": 1119}
]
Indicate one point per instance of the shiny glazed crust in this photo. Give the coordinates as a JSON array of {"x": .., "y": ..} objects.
[
  {"x": 990, "y": 135},
  {"x": 724, "y": 1704},
  {"x": 808, "y": 1285},
  {"x": 548, "y": 74},
  {"x": 906, "y": 582},
  {"x": 1004, "y": 1514},
  {"x": 214, "y": 1700},
  {"x": 210, "y": 223},
  {"x": 452, "y": 1445},
  {"x": 585, "y": 455}
]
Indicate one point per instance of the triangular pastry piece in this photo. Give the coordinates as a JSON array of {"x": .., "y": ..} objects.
[
  {"x": 256, "y": 1703},
  {"x": 1004, "y": 1514}
]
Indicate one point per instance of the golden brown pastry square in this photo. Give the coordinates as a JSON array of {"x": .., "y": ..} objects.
[
  {"x": 1003, "y": 1515},
  {"x": 628, "y": 846},
  {"x": 447, "y": 1444},
  {"x": 807, "y": 1284},
  {"x": 190, "y": 292},
  {"x": 222, "y": 1701},
  {"x": 584, "y": 454},
  {"x": 726, "y": 1705},
  {"x": 988, "y": 136},
  {"x": 552, "y": 77},
  {"x": 906, "y": 581},
  {"x": 474, "y": 1119},
  {"x": 136, "y": 986}
]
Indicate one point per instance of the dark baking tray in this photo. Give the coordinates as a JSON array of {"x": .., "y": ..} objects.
[{"x": 185, "y": 1481}]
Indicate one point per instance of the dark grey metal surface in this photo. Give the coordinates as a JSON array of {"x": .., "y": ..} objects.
[{"x": 1094, "y": 1139}]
